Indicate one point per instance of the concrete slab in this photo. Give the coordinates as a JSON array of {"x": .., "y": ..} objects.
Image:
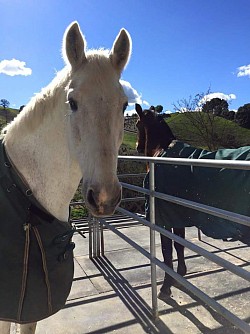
[{"x": 112, "y": 293}]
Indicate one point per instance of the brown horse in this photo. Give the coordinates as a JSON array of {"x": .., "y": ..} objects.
[{"x": 154, "y": 136}]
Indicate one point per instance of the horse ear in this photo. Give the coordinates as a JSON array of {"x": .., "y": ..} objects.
[
  {"x": 138, "y": 109},
  {"x": 74, "y": 45},
  {"x": 121, "y": 50}
]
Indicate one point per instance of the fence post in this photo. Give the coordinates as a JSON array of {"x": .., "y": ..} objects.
[
  {"x": 90, "y": 224},
  {"x": 96, "y": 242},
  {"x": 96, "y": 238},
  {"x": 152, "y": 241}
]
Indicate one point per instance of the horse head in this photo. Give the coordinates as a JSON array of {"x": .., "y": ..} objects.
[
  {"x": 96, "y": 103},
  {"x": 153, "y": 132}
]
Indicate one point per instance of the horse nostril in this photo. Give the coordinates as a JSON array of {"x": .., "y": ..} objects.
[{"x": 91, "y": 198}]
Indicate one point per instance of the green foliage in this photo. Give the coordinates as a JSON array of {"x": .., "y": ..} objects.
[
  {"x": 78, "y": 211},
  {"x": 159, "y": 108},
  {"x": 226, "y": 133},
  {"x": 242, "y": 116},
  {"x": 228, "y": 114},
  {"x": 2, "y": 123},
  {"x": 132, "y": 167},
  {"x": 130, "y": 139},
  {"x": 6, "y": 115},
  {"x": 4, "y": 103},
  {"x": 204, "y": 125},
  {"x": 215, "y": 106}
]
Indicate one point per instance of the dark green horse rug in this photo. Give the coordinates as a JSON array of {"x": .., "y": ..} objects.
[
  {"x": 227, "y": 189},
  {"x": 36, "y": 253}
]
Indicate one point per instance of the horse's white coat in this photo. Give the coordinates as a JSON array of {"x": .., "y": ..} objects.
[{"x": 54, "y": 144}]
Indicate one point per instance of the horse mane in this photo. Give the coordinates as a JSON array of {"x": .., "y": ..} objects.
[
  {"x": 168, "y": 134},
  {"x": 41, "y": 103}
]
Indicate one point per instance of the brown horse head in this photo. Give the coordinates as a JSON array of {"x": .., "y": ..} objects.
[{"x": 153, "y": 133}]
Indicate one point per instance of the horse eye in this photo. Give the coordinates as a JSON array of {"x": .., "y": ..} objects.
[
  {"x": 125, "y": 106},
  {"x": 73, "y": 104}
]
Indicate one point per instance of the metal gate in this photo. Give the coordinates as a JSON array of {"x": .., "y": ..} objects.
[{"x": 97, "y": 245}]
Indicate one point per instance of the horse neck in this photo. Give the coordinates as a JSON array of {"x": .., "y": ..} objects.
[{"x": 43, "y": 158}]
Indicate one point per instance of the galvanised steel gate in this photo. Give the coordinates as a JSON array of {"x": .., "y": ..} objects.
[{"x": 96, "y": 238}]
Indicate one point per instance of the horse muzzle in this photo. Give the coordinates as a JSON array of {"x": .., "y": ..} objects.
[{"x": 100, "y": 201}]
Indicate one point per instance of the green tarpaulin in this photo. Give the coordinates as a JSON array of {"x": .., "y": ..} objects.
[
  {"x": 221, "y": 188},
  {"x": 36, "y": 256}
]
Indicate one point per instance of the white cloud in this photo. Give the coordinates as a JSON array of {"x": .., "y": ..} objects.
[
  {"x": 145, "y": 103},
  {"x": 130, "y": 92},
  {"x": 133, "y": 97},
  {"x": 222, "y": 96},
  {"x": 243, "y": 71},
  {"x": 14, "y": 67},
  {"x": 183, "y": 109}
]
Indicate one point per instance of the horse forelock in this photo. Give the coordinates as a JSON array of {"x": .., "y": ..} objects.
[
  {"x": 99, "y": 66},
  {"x": 93, "y": 54}
]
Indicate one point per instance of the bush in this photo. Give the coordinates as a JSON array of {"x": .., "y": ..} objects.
[{"x": 242, "y": 116}]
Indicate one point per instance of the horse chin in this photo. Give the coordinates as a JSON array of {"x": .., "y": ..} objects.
[
  {"x": 101, "y": 211},
  {"x": 100, "y": 214}
]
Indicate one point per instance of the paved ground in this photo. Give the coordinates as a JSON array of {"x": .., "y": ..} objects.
[{"x": 112, "y": 293}]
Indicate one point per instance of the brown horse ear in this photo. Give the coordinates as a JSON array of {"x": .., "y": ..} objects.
[{"x": 138, "y": 109}]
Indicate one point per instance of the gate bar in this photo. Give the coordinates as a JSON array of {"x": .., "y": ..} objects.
[
  {"x": 229, "y": 215},
  {"x": 197, "y": 292},
  {"x": 231, "y": 164},
  {"x": 199, "y": 250},
  {"x": 152, "y": 242}
]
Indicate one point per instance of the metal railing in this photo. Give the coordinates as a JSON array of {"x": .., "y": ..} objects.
[{"x": 98, "y": 245}]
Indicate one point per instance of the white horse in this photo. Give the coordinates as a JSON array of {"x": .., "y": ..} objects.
[{"x": 71, "y": 130}]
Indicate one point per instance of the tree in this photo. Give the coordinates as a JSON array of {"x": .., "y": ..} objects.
[
  {"x": 159, "y": 108},
  {"x": 242, "y": 116},
  {"x": 204, "y": 124},
  {"x": 216, "y": 106},
  {"x": 5, "y": 104},
  {"x": 228, "y": 114}
]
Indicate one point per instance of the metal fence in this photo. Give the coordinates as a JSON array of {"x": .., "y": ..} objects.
[{"x": 96, "y": 237}]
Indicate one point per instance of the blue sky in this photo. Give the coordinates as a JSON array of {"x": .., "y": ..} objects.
[{"x": 180, "y": 47}]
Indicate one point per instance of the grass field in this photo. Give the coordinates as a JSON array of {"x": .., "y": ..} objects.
[
  {"x": 227, "y": 133},
  {"x": 129, "y": 140}
]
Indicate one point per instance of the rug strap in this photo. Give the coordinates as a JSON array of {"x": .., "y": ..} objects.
[
  {"x": 25, "y": 269},
  {"x": 45, "y": 268}
]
